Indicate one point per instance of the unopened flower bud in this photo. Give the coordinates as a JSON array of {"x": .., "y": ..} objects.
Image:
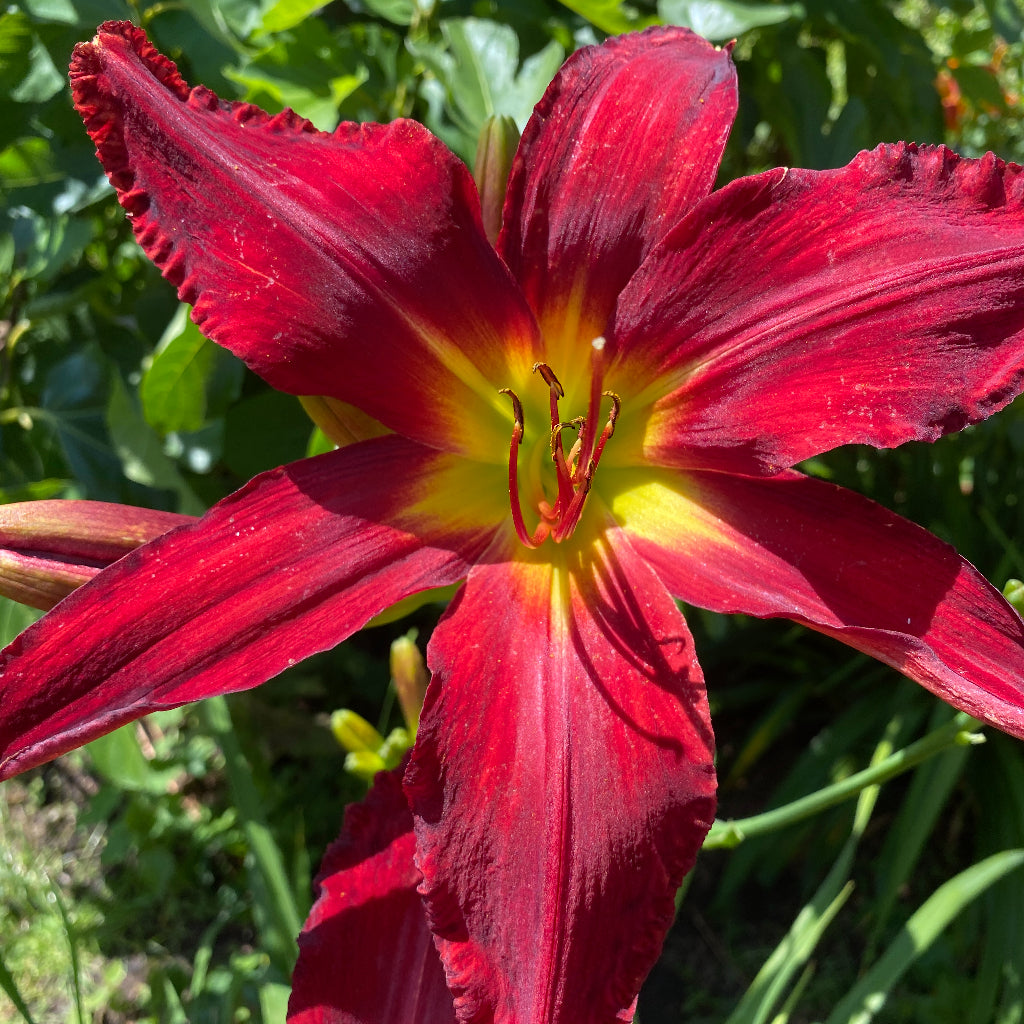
[
  {"x": 495, "y": 149},
  {"x": 410, "y": 677},
  {"x": 354, "y": 732},
  {"x": 50, "y": 548},
  {"x": 1014, "y": 593},
  {"x": 364, "y": 764}
]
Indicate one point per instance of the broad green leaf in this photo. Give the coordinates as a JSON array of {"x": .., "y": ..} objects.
[
  {"x": 27, "y": 162},
  {"x": 15, "y": 47},
  {"x": 14, "y": 619},
  {"x": 719, "y": 20},
  {"x": 52, "y": 10},
  {"x": 264, "y": 431},
  {"x": 286, "y": 14},
  {"x": 399, "y": 12},
  {"x": 481, "y": 75},
  {"x": 869, "y": 995},
  {"x": 45, "y": 246},
  {"x": 140, "y": 451},
  {"x": 611, "y": 16},
  {"x": 43, "y": 80},
  {"x": 306, "y": 70},
  {"x": 173, "y": 388},
  {"x": 980, "y": 86},
  {"x": 118, "y": 757},
  {"x": 486, "y": 56},
  {"x": 73, "y": 402}
]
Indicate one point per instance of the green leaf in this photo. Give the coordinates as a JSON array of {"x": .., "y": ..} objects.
[
  {"x": 118, "y": 757},
  {"x": 141, "y": 452},
  {"x": 274, "y": 1001},
  {"x": 15, "y": 44},
  {"x": 719, "y": 20},
  {"x": 980, "y": 86},
  {"x": 266, "y": 430},
  {"x": 398, "y": 12},
  {"x": 43, "y": 80},
  {"x": 1007, "y": 18},
  {"x": 37, "y": 490},
  {"x": 173, "y": 389},
  {"x": 868, "y": 996},
  {"x": 15, "y": 619},
  {"x": 8, "y": 985},
  {"x": 27, "y": 162},
  {"x": 611, "y": 16},
  {"x": 481, "y": 75},
  {"x": 300, "y": 70},
  {"x": 286, "y": 14}
]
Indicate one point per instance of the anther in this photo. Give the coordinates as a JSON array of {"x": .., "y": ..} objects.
[
  {"x": 549, "y": 378},
  {"x": 517, "y": 410},
  {"x": 577, "y": 424}
]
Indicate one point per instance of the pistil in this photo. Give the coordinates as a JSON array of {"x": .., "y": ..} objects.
[{"x": 574, "y": 474}]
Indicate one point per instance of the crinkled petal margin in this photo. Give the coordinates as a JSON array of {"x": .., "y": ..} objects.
[
  {"x": 796, "y": 311},
  {"x": 351, "y": 264}
]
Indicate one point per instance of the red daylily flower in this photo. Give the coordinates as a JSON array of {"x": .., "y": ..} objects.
[{"x": 689, "y": 349}]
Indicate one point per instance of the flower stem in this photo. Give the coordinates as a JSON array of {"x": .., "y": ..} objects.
[{"x": 962, "y": 729}]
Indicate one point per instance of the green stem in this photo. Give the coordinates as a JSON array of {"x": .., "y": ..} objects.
[{"x": 960, "y": 731}]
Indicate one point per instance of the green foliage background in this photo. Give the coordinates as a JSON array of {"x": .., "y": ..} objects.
[{"x": 172, "y": 907}]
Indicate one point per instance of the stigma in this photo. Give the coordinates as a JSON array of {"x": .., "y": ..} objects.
[{"x": 575, "y": 469}]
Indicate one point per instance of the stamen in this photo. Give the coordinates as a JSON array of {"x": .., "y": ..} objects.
[
  {"x": 609, "y": 429},
  {"x": 562, "y": 474},
  {"x": 573, "y": 511},
  {"x": 577, "y": 424},
  {"x": 597, "y": 367},
  {"x": 549, "y": 378},
  {"x": 575, "y": 473},
  {"x": 513, "y": 469}
]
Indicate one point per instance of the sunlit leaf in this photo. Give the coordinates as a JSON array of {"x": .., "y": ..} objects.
[
  {"x": 173, "y": 389},
  {"x": 719, "y": 20},
  {"x": 611, "y": 16}
]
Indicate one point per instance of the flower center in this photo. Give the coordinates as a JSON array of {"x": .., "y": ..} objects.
[{"x": 574, "y": 472}]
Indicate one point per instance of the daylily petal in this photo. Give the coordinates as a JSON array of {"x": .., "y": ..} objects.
[
  {"x": 626, "y": 140},
  {"x": 562, "y": 783},
  {"x": 291, "y": 564},
  {"x": 827, "y": 557},
  {"x": 351, "y": 264},
  {"x": 366, "y": 955},
  {"x": 798, "y": 310}
]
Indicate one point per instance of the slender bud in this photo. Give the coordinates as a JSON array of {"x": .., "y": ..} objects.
[
  {"x": 344, "y": 424},
  {"x": 495, "y": 150},
  {"x": 354, "y": 732},
  {"x": 364, "y": 764},
  {"x": 1014, "y": 593},
  {"x": 410, "y": 677},
  {"x": 50, "y": 548}
]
